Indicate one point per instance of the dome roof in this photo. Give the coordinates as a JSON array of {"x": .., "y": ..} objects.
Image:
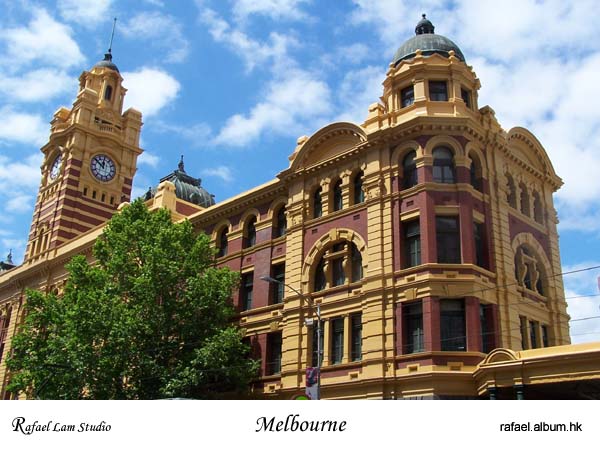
[
  {"x": 106, "y": 63},
  {"x": 186, "y": 188},
  {"x": 428, "y": 42}
]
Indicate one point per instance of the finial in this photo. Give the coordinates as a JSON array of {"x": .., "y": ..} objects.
[
  {"x": 180, "y": 165},
  {"x": 9, "y": 257},
  {"x": 424, "y": 26}
]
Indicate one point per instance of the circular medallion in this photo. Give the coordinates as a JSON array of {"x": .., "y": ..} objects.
[
  {"x": 103, "y": 168},
  {"x": 55, "y": 169}
]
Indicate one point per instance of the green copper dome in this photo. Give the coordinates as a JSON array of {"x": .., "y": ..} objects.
[
  {"x": 428, "y": 42},
  {"x": 186, "y": 188},
  {"x": 107, "y": 62}
]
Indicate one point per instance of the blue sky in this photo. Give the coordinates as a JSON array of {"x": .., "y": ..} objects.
[{"x": 232, "y": 84}]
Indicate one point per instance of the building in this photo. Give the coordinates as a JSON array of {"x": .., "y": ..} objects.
[{"x": 427, "y": 237}]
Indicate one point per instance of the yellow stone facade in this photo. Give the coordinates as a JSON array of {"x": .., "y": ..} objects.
[{"x": 353, "y": 258}]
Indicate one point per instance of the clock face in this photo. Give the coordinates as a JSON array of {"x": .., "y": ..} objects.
[
  {"x": 55, "y": 169},
  {"x": 103, "y": 168}
]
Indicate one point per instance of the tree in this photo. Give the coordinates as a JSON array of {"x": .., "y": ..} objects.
[{"x": 151, "y": 317}]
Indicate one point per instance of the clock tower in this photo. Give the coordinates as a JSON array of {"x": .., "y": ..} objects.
[{"x": 89, "y": 161}]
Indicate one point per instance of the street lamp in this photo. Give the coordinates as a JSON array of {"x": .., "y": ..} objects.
[{"x": 269, "y": 279}]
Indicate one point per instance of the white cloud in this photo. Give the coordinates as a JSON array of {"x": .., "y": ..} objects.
[
  {"x": 148, "y": 159},
  {"x": 84, "y": 12},
  {"x": 43, "y": 40},
  {"x": 222, "y": 172},
  {"x": 22, "y": 175},
  {"x": 37, "y": 85},
  {"x": 149, "y": 90},
  {"x": 290, "y": 106},
  {"x": 253, "y": 53},
  {"x": 274, "y": 9},
  {"x": 197, "y": 133},
  {"x": 22, "y": 127},
  {"x": 159, "y": 30},
  {"x": 357, "y": 91},
  {"x": 19, "y": 203},
  {"x": 583, "y": 285}
]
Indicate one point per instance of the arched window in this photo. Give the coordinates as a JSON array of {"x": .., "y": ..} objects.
[
  {"x": 538, "y": 214},
  {"x": 475, "y": 172},
  {"x": 443, "y": 165},
  {"x": 250, "y": 234},
  {"x": 359, "y": 194},
  {"x": 342, "y": 261},
  {"x": 512, "y": 192},
  {"x": 525, "y": 207},
  {"x": 108, "y": 92},
  {"x": 317, "y": 203},
  {"x": 280, "y": 223},
  {"x": 337, "y": 196},
  {"x": 529, "y": 270},
  {"x": 222, "y": 243},
  {"x": 409, "y": 170}
]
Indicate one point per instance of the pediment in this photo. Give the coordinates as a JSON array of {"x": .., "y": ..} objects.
[{"x": 332, "y": 140}]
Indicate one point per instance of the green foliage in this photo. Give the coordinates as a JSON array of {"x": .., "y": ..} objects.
[{"x": 151, "y": 318}]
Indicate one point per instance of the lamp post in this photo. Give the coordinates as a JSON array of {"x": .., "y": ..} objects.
[{"x": 269, "y": 279}]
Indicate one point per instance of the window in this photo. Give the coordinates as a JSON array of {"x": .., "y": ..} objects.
[
  {"x": 85, "y": 191},
  {"x": 443, "y": 165},
  {"x": 356, "y": 337},
  {"x": 280, "y": 223},
  {"x": 340, "y": 262},
  {"x": 409, "y": 169},
  {"x": 412, "y": 315},
  {"x": 524, "y": 200},
  {"x": 487, "y": 328},
  {"x": 337, "y": 266},
  {"x": 533, "y": 334},
  {"x": 317, "y": 345},
  {"x": 337, "y": 196},
  {"x": 512, "y": 192},
  {"x": 108, "y": 92},
  {"x": 359, "y": 194},
  {"x": 480, "y": 247},
  {"x": 475, "y": 173},
  {"x": 273, "y": 353},
  {"x": 278, "y": 288},
  {"x": 357, "y": 268},
  {"x": 223, "y": 243},
  {"x": 538, "y": 215},
  {"x": 529, "y": 271},
  {"x": 250, "y": 239},
  {"x": 337, "y": 340},
  {"x": 407, "y": 96},
  {"x": 545, "y": 340},
  {"x": 246, "y": 291},
  {"x": 317, "y": 203},
  {"x": 320, "y": 276},
  {"x": 452, "y": 323},
  {"x": 4, "y": 323},
  {"x": 438, "y": 91},
  {"x": 448, "y": 240},
  {"x": 523, "y": 322},
  {"x": 466, "y": 97},
  {"x": 412, "y": 243}
]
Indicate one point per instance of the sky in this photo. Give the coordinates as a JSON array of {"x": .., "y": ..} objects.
[{"x": 232, "y": 84}]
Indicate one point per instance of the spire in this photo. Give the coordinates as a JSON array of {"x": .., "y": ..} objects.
[
  {"x": 424, "y": 26},
  {"x": 107, "y": 61},
  {"x": 180, "y": 165},
  {"x": 108, "y": 55},
  {"x": 9, "y": 257}
]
